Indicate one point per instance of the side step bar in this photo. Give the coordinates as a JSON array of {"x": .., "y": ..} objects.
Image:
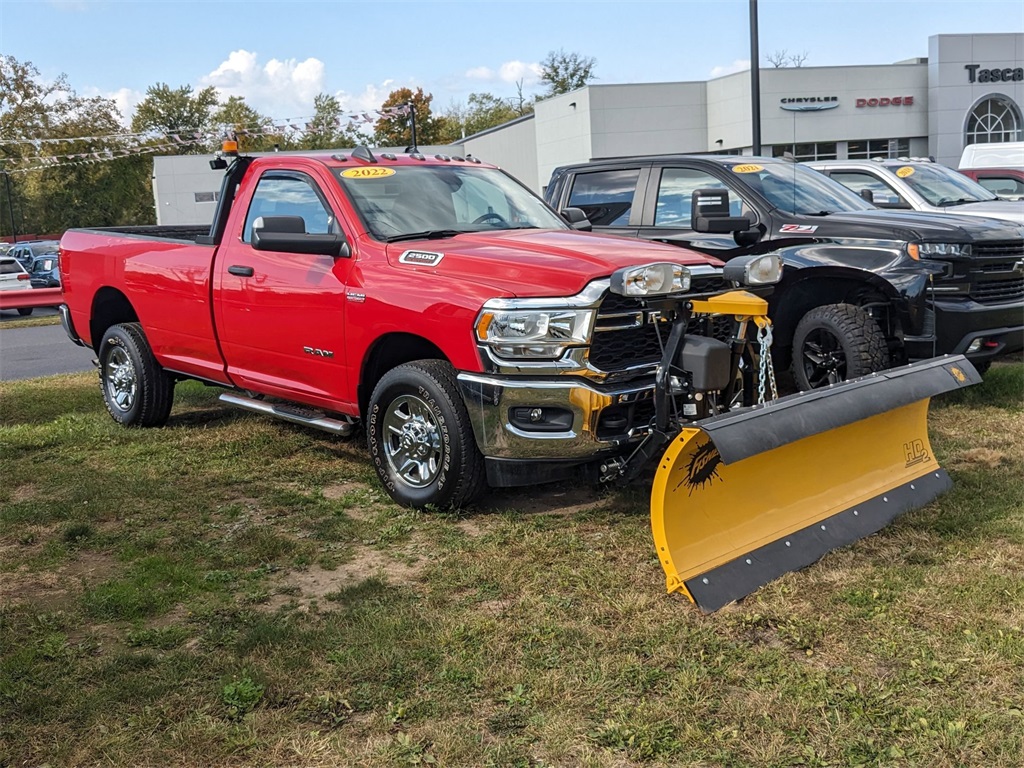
[{"x": 296, "y": 414}]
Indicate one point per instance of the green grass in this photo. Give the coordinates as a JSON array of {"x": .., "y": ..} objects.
[{"x": 230, "y": 590}]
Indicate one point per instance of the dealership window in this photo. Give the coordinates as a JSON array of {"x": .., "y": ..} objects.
[
  {"x": 995, "y": 119},
  {"x": 825, "y": 150},
  {"x": 868, "y": 148}
]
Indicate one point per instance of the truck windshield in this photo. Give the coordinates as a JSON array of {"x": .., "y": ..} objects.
[
  {"x": 444, "y": 201},
  {"x": 797, "y": 189},
  {"x": 940, "y": 185}
]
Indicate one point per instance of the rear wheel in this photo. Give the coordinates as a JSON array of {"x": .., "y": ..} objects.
[
  {"x": 837, "y": 342},
  {"x": 136, "y": 389},
  {"x": 420, "y": 437}
]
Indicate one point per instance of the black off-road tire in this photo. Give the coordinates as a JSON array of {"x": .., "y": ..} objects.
[
  {"x": 982, "y": 366},
  {"x": 137, "y": 391},
  {"x": 25, "y": 311},
  {"x": 837, "y": 342},
  {"x": 421, "y": 440}
]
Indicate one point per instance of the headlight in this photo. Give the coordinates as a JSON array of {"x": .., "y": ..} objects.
[
  {"x": 650, "y": 280},
  {"x": 933, "y": 250},
  {"x": 765, "y": 269},
  {"x": 534, "y": 333}
]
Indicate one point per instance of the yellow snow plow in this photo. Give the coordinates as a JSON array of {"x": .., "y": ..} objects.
[{"x": 743, "y": 495}]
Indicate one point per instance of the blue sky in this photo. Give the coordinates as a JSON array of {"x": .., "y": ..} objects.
[{"x": 279, "y": 55}]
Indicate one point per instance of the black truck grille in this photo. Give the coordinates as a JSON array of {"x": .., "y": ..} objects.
[
  {"x": 1003, "y": 248},
  {"x": 626, "y": 334},
  {"x": 997, "y": 291},
  {"x": 996, "y": 276}
]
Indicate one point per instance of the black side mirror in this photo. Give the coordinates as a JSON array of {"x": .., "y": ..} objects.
[
  {"x": 577, "y": 219},
  {"x": 287, "y": 234},
  {"x": 868, "y": 195},
  {"x": 709, "y": 212}
]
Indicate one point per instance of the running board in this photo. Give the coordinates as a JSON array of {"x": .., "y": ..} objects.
[{"x": 296, "y": 414}]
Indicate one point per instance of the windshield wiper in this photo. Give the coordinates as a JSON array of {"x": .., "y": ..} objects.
[
  {"x": 961, "y": 201},
  {"x": 428, "y": 234},
  {"x": 817, "y": 213}
]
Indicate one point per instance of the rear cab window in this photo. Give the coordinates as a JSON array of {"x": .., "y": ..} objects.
[{"x": 606, "y": 197}]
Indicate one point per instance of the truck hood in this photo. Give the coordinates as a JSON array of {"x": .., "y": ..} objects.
[
  {"x": 908, "y": 226},
  {"x": 534, "y": 262},
  {"x": 996, "y": 209}
]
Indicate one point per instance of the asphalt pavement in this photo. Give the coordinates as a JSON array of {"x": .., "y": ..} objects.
[{"x": 42, "y": 350}]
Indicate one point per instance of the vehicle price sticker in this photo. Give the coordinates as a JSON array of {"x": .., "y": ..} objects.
[
  {"x": 751, "y": 168},
  {"x": 367, "y": 173},
  {"x": 905, "y": 171}
]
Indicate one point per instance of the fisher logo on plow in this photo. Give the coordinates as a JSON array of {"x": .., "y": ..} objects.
[{"x": 702, "y": 469}]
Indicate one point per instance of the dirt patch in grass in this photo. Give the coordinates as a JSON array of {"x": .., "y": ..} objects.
[
  {"x": 551, "y": 499},
  {"x": 51, "y": 589},
  {"x": 303, "y": 587}
]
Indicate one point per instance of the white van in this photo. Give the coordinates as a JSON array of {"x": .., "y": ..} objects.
[{"x": 1008, "y": 154}]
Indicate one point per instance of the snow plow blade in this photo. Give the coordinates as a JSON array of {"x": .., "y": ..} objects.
[{"x": 742, "y": 498}]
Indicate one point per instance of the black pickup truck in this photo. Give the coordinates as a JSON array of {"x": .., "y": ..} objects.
[{"x": 863, "y": 289}]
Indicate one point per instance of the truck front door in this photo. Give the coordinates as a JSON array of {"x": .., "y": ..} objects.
[{"x": 281, "y": 316}]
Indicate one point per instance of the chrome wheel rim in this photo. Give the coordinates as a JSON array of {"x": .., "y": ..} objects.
[
  {"x": 412, "y": 441},
  {"x": 120, "y": 380}
]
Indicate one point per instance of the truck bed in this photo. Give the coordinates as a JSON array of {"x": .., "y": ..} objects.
[{"x": 183, "y": 232}]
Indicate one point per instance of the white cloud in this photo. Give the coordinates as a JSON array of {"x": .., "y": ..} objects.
[
  {"x": 278, "y": 89},
  {"x": 509, "y": 73},
  {"x": 125, "y": 99},
  {"x": 737, "y": 66}
]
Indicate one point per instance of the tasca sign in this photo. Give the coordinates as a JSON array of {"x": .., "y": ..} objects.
[
  {"x": 976, "y": 74},
  {"x": 809, "y": 103}
]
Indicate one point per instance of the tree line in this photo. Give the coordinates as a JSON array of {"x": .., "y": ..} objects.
[{"x": 68, "y": 160}]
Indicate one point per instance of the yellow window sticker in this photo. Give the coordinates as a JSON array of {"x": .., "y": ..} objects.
[
  {"x": 905, "y": 171},
  {"x": 747, "y": 168},
  {"x": 372, "y": 172}
]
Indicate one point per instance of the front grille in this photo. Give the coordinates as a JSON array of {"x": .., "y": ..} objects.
[
  {"x": 626, "y": 334},
  {"x": 1002, "y": 248},
  {"x": 997, "y": 291}
]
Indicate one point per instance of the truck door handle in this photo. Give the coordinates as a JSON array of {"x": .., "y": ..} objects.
[{"x": 241, "y": 271}]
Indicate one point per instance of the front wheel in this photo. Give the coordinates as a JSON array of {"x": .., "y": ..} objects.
[
  {"x": 136, "y": 389},
  {"x": 837, "y": 342},
  {"x": 420, "y": 438},
  {"x": 25, "y": 311}
]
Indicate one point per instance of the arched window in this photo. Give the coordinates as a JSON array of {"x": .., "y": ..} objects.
[{"x": 995, "y": 119}]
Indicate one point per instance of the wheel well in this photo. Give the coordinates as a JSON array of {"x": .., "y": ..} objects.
[
  {"x": 792, "y": 301},
  {"x": 388, "y": 352},
  {"x": 109, "y": 307}
]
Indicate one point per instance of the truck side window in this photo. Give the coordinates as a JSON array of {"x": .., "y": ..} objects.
[
  {"x": 289, "y": 196},
  {"x": 856, "y": 181},
  {"x": 675, "y": 196},
  {"x": 605, "y": 196}
]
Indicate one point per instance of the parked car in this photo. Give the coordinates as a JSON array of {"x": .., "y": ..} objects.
[
  {"x": 27, "y": 252},
  {"x": 1007, "y": 183},
  {"x": 918, "y": 184},
  {"x": 45, "y": 272},
  {"x": 863, "y": 289},
  {"x": 14, "y": 277},
  {"x": 1006, "y": 154}
]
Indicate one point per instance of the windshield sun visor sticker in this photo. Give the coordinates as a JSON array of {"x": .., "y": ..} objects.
[
  {"x": 747, "y": 168},
  {"x": 372, "y": 172},
  {"x": 805, "y": 229},
  {"x": 905, "y": 171},
  {"x": 423, "y": 258}
]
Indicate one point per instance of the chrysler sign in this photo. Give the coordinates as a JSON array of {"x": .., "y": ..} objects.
[{"x": 809, "y": 103}]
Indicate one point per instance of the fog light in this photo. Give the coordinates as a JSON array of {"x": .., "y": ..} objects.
[
  {"x": 975, "y": 345},
  {"x": 540, "y": 419}
]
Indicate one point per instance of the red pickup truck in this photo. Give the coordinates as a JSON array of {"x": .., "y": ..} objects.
[{"x": 435, "y": 300}]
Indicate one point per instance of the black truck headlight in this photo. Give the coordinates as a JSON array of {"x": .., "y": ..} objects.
[
  {"x": 534, "y": 333},
  {"x": 657, "y": 279},
  {"x": 938, "y": 250},
  {"x": 765, "y": 269}
]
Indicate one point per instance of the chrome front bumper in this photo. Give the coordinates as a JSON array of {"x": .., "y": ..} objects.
[{"x": 490, "y": 400}]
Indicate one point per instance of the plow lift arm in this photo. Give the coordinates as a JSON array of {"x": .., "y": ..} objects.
[{"x": 743, "y": 496}]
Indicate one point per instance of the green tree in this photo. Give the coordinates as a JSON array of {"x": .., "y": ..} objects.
[
  {"x": 330, "y": 128},
  {"x": 395, "y": 131},
  {"x": 564, "y": 72},
  {"x": 70, "y": 161},
  {"x": 255, "y": 132},
  {"x": 178, "y": 112}
]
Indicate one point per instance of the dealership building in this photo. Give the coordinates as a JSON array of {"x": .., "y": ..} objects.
[{"x": 970, "y": 89}]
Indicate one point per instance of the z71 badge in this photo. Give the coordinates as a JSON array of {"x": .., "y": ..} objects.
[
  {"x": 804, "y": 229},
  {"x": 423, "y": 258}
]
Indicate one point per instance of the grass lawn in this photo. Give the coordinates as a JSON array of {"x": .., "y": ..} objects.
[{"x": 232, "y": 591}]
